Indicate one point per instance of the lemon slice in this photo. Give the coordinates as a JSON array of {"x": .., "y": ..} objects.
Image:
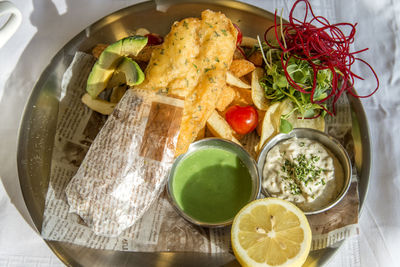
[{"x": 271, "y": 232}]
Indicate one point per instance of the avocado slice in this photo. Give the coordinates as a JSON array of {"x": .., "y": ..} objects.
[
  {"x": 128, "y": 72},
  {"x": 133, "y": 74},
  {"x": 110, "y": 59}
]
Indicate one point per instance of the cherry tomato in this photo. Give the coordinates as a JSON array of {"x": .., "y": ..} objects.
[
  {"x": 242, "y": 119},
  {"x": 154, "y": 39},
  {"x": 239, "y": 36}
]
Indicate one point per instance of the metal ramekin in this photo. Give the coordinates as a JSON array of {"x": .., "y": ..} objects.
[
  {"x": 249, "y": 162},
  {"x": 329, "y": 142}
]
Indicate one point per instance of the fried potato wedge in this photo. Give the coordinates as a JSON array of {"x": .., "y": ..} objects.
[
  {"x": 317, "y": 123},
  {"x": 249, "y": 41},
  {"x": 99, "y": 105},
  {"x": 261, "y": 115},
  {"x": 256, "y": 58},
  {"x": 267, "y": 128},
  {"x": 295, "y": 119},
  {"x": 241, "y": 67},
  {"x": 220, "y": 128},
  {"x": 237, "y": 54},
  {"x": 242, "y": 97},
  {"x": 257, "y": 92},
  {"x": 235, "y": 81},
  {"x": 283, "y": 108},
  {"x": 272, "y": 119},
  {"x": 226, "y": 97}
]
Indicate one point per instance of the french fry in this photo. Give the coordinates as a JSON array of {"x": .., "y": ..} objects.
[
  {"x": 99, "y": 105},
  {"x": 235, "y": 81},
  {"x": 241, "y": 67},
  {"x": 226, "y": 97},
  {"x": 257, "y": 92},
  {"x": 249, "y": 41},
  {"x": 256, "y": 58},
  {"x": 98, "y": 49},
  {"x": 142, "y": 31},
  {"x": 267, "y": 128},
  {"x": 220, "y": 128}
]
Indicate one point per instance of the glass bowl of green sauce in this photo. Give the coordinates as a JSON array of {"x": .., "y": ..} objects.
[{"x": 212, "y": 181}]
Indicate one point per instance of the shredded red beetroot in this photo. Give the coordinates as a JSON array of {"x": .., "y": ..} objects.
[{"x": 326, "y": 43}]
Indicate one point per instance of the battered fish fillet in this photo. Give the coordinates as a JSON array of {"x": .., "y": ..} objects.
[{"x": 192, "y": 64}]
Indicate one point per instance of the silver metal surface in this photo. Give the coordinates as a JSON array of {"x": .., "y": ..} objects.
[
  {"x": 227, "y": 145},
  {"x": 37, "y": 130},
  {"x": 328, "y": 142}
]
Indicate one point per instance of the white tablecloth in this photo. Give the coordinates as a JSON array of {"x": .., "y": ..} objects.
[{"x": 48, "y": 24}]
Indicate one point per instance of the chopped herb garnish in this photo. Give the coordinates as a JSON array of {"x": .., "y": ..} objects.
[
  {"x": 314, "y": 158},
  {"x": 185, "y": 24},
  {"x": 301, "y": 171},
  {"x": 224, "y": 32},
  {"x": 208, "y": 69}
]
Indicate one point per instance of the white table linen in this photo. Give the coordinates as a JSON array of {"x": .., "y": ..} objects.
[{"x": 47, "y": 25}]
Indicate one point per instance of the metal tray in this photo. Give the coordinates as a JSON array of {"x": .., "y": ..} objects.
[{"x": 36, "y": 135}]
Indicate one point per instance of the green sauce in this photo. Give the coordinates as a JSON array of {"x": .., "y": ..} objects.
[{"x": 211, "y": 185}]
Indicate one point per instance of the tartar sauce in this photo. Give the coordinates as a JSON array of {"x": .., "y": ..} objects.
[{"x": 302, "y": 171}]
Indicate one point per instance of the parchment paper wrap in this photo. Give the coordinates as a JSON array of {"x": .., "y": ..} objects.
[{"x": 126, "y": 167}]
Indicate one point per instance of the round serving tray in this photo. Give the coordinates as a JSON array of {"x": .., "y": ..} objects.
[{"x": 36, "y": 135}]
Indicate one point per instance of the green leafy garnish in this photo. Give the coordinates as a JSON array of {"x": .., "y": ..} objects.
[
  {"x": 285, "y": 127},
  {"x": 277, "y": 88}
]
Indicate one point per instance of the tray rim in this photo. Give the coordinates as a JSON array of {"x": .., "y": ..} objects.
[{"x": 22, "y": 140}]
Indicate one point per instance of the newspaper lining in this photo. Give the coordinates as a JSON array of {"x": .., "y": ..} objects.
[{"x": 161, "y": 228}]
